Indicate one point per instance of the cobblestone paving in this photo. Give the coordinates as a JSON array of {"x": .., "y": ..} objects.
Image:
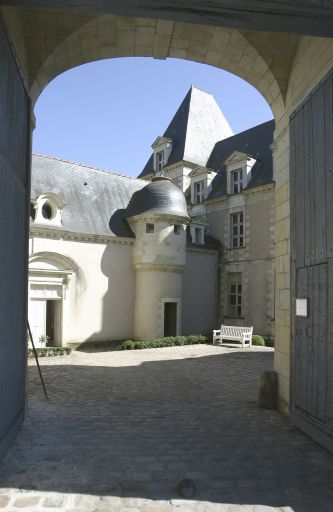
[{"x": 122, "y": 429}]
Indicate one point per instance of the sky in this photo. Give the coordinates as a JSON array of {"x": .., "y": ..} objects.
[{"x": 106, "y": 114}]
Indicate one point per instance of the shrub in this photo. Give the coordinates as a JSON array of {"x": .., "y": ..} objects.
[
  {"x": 139, "y": 345},
  {"x": 258, "y": 340},
  {"x": 126, "y": 345},
  {"x": 49, "y": 351},
  {"x": 168, "y": 341}
]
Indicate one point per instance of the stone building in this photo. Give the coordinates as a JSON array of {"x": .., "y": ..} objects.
[{"x": 188, "y": 245}]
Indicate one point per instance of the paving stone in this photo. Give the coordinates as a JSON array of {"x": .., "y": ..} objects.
[
  {"x": 122, "y": 429},
  {"x": 110, "y": 501},
  {"x": 4, "y": 500},
  {"x": 26, "y": 501},
  {"x": 54, "y": 502}
]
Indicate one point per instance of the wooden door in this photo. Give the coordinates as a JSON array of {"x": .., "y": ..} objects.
[
  {"x": 311, "y": 169},
  {"x": 170, "y": 319}
]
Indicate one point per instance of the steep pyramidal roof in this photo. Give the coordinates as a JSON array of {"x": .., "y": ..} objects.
[{"x": 197, "y": 125}]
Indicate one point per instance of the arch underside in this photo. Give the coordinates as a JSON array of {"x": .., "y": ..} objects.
[{"x": 58, "y": 41}]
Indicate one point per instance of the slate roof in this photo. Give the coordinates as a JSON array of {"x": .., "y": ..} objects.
[
  {"x": 195, "y": 128},
  {"x": 160, "y": 196},
  {"x": 95, "y": 200},
  {"x": 254, "y": 142}
]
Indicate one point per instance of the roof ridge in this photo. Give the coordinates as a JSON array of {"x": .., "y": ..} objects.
[
  {"x": 247, "y": 130},
  {"x": 58, "y": 159}
]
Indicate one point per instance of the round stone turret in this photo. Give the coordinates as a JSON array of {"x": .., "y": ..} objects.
[{"x": 158, "y": 216}]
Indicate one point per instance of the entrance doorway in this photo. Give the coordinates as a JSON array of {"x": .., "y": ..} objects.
[
  {"x": 45, "y": 320},
  {"x": 170, "y": 318}
]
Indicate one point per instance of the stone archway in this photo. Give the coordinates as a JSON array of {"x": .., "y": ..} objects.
[
  {"x": 110, "y": 36},
  {"x": 43, "y": 44}
]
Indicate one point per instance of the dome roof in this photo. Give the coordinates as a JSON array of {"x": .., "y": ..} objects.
[{"x": 160, "y": 196}]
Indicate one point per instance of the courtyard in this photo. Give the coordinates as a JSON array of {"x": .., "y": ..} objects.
[{"x": 121, "y": 429}]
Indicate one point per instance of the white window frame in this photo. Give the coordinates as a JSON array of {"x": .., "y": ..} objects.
[
  {"x": 198, "y": 191},
  {"x": 54, "y": 203},
  {"x": 237, "y": 180},
  {"x": 237, "y": 230},
  {"x": 159, "y": 160},
  {"x": 235, "y": 297}
]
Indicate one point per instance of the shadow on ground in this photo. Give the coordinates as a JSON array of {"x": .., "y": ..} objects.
[{"x": 138, "y": 430}]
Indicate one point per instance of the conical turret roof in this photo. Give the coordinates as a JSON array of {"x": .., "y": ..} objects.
[{"x": 160, "y": 197}]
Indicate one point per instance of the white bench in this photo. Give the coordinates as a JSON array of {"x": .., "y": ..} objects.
[{"x": 230, "y": 332}]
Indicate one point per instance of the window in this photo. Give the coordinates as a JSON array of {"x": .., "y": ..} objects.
[
  {"x": 199, "y": 191},
  {"x": 235, "y": 294},
  {"x": 159, "y": 161},
  {"x": 237, "y": 230},
  {"x": 150, "y": 228},
  {"x": 177, "y": 229},
  {"x": 237, "y": 181},
  {"x": 198, "y": 236},
  {"x": 47, "y": 211}
]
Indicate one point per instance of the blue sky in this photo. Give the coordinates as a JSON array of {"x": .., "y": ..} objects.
[{"x": 108, "y": 113}]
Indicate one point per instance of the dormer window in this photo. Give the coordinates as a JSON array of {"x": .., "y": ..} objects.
[
  {"x": 239, "y": 171},
  {"x": 162, "y": 148},
  {"x": 159, "y": 161},
  {"x": 199, "y": 192},
  {"x": 201, "y": 183},
  {"x": 46, "y": 209},
  {"x": 237, "y": 181}
]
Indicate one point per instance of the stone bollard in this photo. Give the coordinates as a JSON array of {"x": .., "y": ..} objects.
[{"x": 268, "y": 390}]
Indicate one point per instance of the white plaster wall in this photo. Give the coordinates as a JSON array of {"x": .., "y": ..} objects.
[
  {"x": 200, "y": 280},
  {"x": 99, "y": 303},
  {"x": 151, "y": 287}
]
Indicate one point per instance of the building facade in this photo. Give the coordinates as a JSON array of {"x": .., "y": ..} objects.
[{"x": 186, "y": 246}]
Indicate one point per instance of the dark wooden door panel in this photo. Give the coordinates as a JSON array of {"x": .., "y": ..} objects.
[
  {"x": 311, "y": 171},
  {"x": 311, "y": 342}
]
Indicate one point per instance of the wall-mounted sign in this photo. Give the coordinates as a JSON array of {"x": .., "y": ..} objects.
[{"x": 301, "y": 307}]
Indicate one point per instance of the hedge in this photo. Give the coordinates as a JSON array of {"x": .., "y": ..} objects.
[
  {"x": 170, "y": 341},
  {"x": 49, "y": 351}
]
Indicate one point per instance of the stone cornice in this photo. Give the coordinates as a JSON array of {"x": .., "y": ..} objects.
[
  {"x": 156, "y": 267},
  {"x": 202, "y": 249},
  {"x": 57, "y": 234},
  {"x": 159, "y": 217}
]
